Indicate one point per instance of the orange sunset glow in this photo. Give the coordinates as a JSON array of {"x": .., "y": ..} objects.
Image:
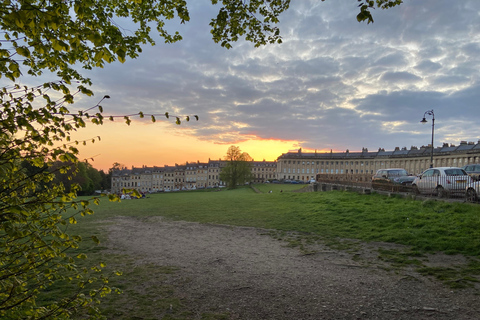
[{"x": 159, "y": 144}]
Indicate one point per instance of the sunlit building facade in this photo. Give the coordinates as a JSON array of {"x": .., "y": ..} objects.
[
  {"x": 360, "y": 166},
  {"x": 298, "y": 165}
]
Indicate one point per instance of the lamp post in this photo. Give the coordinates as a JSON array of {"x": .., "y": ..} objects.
[{"x": 430, "y": 112}]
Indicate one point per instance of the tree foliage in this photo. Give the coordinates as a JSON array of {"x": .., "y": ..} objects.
[
  {"x": 57, "y": 35},
  {"x": 40, "y": 178},
  {"x": 35, "y": 209},
  {"x": 367, "y": 5},
  {"x": 81, "y": 173},
  {"x": 238, "y": 169}
]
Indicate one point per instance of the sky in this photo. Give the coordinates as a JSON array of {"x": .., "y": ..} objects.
[{"x": 333, "y": 84}]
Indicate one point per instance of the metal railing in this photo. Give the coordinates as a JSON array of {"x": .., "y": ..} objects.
[{"x": 452, "y": 187}]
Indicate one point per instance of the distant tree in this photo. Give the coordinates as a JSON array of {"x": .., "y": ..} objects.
[
  {"x": 106, "y": 180},
  {"x": 238, "y": 169}
]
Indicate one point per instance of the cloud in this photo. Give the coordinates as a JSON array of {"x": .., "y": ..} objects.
[
  {"x": 332, "y": 83},
  {"x": 399, "y": 77},
  {"x": 428, "y": 66}
]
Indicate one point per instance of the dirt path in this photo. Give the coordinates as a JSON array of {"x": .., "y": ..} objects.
[{"x": 250, "y": 275}]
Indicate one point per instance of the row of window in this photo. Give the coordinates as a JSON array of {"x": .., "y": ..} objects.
[
  {"x": 458, "y": 161},
  {"x": 333, "y": 171}
]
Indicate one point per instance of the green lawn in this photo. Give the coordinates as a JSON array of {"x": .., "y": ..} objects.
[
  {"x": 278, "y": 187},
  {"x": 425, "y": 227}
]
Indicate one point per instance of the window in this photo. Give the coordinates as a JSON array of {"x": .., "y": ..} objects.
[{"x": 428, "y": 173}]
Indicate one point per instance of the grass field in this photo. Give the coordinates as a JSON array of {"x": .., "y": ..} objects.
[{"x": 425, "y": 227}]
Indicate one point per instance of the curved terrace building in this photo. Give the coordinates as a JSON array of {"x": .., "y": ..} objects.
[
  {"x": 360, "y": 166},
  {"x": 298, "y": 165}
]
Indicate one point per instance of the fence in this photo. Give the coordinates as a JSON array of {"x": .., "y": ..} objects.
[{"x": 453, "y": 187}]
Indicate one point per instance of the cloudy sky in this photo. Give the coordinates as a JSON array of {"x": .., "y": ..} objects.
[{"x": 333, "y": 83}]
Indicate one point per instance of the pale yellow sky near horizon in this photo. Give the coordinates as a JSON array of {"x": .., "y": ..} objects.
[{"x": 160, "y": 144}]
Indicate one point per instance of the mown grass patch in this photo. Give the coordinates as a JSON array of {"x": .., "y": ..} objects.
[
  {"x": 341, "y": 220},
  {"x": 278, "y": 187},
  {"x": 431, "y": 226}
]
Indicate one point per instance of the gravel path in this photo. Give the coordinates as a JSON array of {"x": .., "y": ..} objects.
[{"x": 250, "y": 275}]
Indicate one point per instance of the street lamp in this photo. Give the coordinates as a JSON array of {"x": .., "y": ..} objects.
[{"x": 430, "y": 112}]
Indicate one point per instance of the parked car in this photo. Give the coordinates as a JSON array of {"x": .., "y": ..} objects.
[
  {"x": 472, "y": 192},
  {"x": 473, "y": 170},
  {"x": 442, "y": 181},
  {"x": 392, "y": 179}
]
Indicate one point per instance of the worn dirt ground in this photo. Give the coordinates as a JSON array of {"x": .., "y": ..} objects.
[{"x": 247, "y": 274}]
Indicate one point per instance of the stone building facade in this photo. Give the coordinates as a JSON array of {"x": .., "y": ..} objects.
[
  {"x": 360, "y": 166},
  {"x": 298, "y": 165},
  {"x": 263, "y": 171},
  {"x": 188, "y": 176}
]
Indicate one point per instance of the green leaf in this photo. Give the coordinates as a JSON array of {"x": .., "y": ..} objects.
[
  {"x": 82, "y": 256},
  {"x": 95, "y": 239},
  {"x": 23, "y": 51}
]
